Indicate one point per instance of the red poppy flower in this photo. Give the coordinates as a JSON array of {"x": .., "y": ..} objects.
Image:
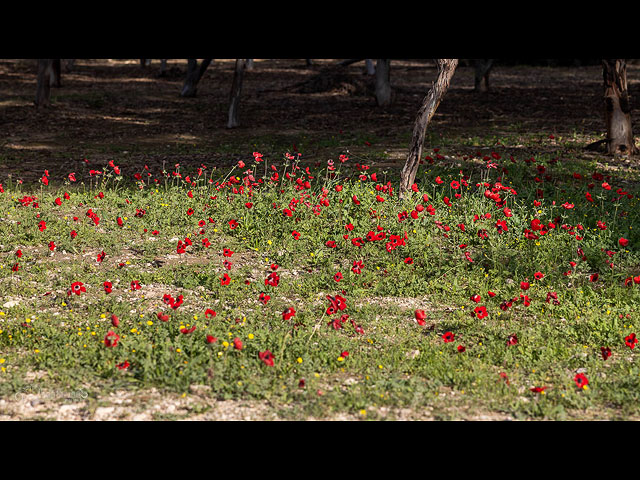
[
  {"x": 101, "y": 256},
  {"x": 630, "y": 341},
  {"x": 524, "y": 285},
  {"x": 272, "y": 279},
  {"x": 512, "y": 340},
  {"x": 448, "y": 337},
  {"x": 111, "y": 339},
  {"x": 538, "y": 389},
  {"x": 296, "y": 235},
  {"x": 606, "y": 352},
  {"x": 211, "y": 339},
  {"x": 77, "y": 288},
  {"x": 357, "y": 267},
  {"x": 225, "y": 280},
  {"x": 115, "y": 321},
  {"x": 266, "y": 357},
  {"x": 237, "y": 343},
  {"x": 108, "y": 286},
  {"x": 420, "y": 317},
  {"x": 461, "y": 348},
  {"x": 209, "y": 313},
  {"x": 135, "y": 285},
  {"x": 187, "y": 331},
  {"x": 623, "y": 242},
  {"x": 288, "y": 313},
  {"x": 337, "y": 277},
  {"x": 481, "y": 312},
  {"x": 408, "y": 260},
  {"x": 538, "y": 275},
  {"x": 476, "y": 298},
  {"x": 123, "y": 366},
  {"x": 227, "y": 253},
  {"x": 581, "y": 380},
  {"x": 162, "y": 317},
  {"x": 264, "y": 298}
]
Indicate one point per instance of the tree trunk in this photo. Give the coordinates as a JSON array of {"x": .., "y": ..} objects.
[
  {"x": 54, "y": 73},
  {"x": 236, "y": 88},
  {"x": 69, "y": 64},
  {"x": 163, "y": 67},
  {"x": 369, "y": 66},
  {"x": 617, "y": 107},
  {"x": 482, "y": 69},
  {"x": 446, "y": 69},
  {"x": 194, "y": 74},
  {"x": 383, "y": 85},
  {"x": 309, "y": 62},
  {"x": 249, "y": 64},
  {"x": 43, "y": 89}
]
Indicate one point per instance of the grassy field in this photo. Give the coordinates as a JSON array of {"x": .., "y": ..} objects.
[{"x": 505, "y": 287}]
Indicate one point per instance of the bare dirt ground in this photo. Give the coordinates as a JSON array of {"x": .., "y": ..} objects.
[{"x": 115, "y": 109}]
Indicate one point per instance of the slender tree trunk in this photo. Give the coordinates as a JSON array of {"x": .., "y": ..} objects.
[
  {"x": 617, "y": 107},
  {"x": 236, "y": 89},
  {"x": 446, "y": 69},
  {"x": 482, "y": 69},
  {"x": 249, "y": 64},
  {"x": 309, "y": 62},
  {"x": 43, "y": 89},
  {"x": 383, "y": 85},
  {"x": 194, "y": 74},
  {"x": 69, "y": 64},
  {"x": 163, "y": 67},
  {"x": 370, "y": 66},
  {"x": 54, "y": 73}
]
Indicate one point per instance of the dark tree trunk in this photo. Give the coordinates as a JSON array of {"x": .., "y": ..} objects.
[
  {"x": 383, "y": 84},
  {"x": 309, "y": 62},
  {"x": 617, "y": 107},
  {"x": 194, "y": 74},
  {"x": 370, "y": 67},
  {"x": 236, "y": 89},
  {"x": 482, "y": 68},
  {"x": 446, "y": 69},
  {"x": 43, "y": 89},
  {"x": 69, "y": 64},
  {"x": 54, "y": 73},
  {"x": 249, "y": 64},
  {"x": 163, "y": 67}
]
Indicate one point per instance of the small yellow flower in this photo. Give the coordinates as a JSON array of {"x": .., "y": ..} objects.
[
  {"x": 149, "y": 322},
  {"x": 250, "y": 336},
  {"x": 299, "y": 360}
]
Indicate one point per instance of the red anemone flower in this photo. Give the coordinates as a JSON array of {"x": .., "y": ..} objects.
[
  {"x": 630, "y": 341},
  {"x": 111, "y": 339},
  {"x": 288, "y": 313},
  {"x": 581, "y": 380},
  {"x": 448, "y": 337},
  {"x": 266, "y": 357},
  {"x": 420, "y": 317}
]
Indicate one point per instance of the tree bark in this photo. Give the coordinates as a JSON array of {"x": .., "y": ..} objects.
[
  {"x": 369, "y": 66},
  {"x": 236, "y": 88},
  {"x": 446, "y": 69},
  {"x": 69, "y": 64},
  {"x": 617, "y": 107},
  {"x": 43, "y": 89},
  {"x": 482, "y": 69},
  {"x": 194, "y": 74},
  {"x": 383, "y": 85},
  {"x": 54, "y": 73}
]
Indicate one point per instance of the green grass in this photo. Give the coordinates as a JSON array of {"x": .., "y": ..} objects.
[{"x": 395, "y": 362}]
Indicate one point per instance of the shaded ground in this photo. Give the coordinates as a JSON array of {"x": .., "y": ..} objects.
[{"x": 115, "y": 109}]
